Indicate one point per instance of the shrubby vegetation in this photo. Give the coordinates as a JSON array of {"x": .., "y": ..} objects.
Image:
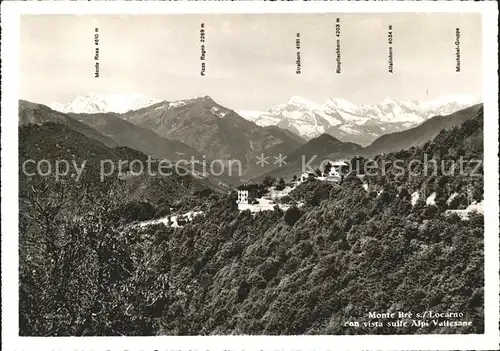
[{"x": 84, "y": 270}]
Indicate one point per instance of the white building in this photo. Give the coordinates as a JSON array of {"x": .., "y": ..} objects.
[
  {"x": 337, "y": 167},
  {"x": 335, "y": 174},
  {"x": 242, "y": 197},
  {"x": 336, "y": 171}
]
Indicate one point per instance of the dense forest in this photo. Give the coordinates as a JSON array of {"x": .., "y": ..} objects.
[{"x": 87, "y": 269}]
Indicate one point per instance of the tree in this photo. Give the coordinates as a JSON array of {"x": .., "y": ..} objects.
[
  {"x": 203, "y": 193},
  {"x": 327, "y": 168},
  {"x": 292, "y": 215},
  {"x": 404, "y": 193},
  {"x": 268, "y": 181},
  {"x": 281, "y": 184}
]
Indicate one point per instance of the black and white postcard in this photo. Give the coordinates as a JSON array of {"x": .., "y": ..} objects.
[{"x": 249, "y": 175}]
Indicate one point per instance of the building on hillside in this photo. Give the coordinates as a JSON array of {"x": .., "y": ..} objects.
[
  {"x": 339, "y": 167},
  {"x": 247, "y": 193},
  {"x": 305, "y": 176},
  {"x": 336, "y": 172},
  {"x": 242, "y": 197},
  {"x": 333, "y": 177}
]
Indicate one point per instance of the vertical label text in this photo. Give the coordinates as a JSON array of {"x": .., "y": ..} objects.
[
  {"x": 96, "y": 52},
  {"x": 202, "y": 47},
  {"x": 457, "y": 49},
  {"x": 337, "y": 50},
  {"x": 390, "y": 41},
  {"x": 298, "y": 69}
]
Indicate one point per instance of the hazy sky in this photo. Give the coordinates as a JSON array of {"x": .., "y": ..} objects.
[{"x": 250, "y": 59}]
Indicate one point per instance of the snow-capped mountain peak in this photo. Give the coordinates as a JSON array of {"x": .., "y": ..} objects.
[{"x": 99, "y": 103}]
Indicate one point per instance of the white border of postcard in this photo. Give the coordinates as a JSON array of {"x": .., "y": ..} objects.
[{"x": 11, "y": 12}]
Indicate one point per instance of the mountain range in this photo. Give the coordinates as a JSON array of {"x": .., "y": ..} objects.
[
  {"x": 95, "y": 103},
  {"x": 136, "y": 137},
  {"x": 346, "y": 121},
  {"x": 216, "y": 131},
  {"x": 201, "y": 126},
  {"x": 420, "y": 134},
  {"x": 112, "y": 131},
  {"x": 327, "y": 147},
  {"x": 176, "y": 131},
  {"x": 33, "y": 113}
]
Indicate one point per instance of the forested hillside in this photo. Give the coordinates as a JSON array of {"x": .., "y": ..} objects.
[{"x": 346, "y": 252}]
